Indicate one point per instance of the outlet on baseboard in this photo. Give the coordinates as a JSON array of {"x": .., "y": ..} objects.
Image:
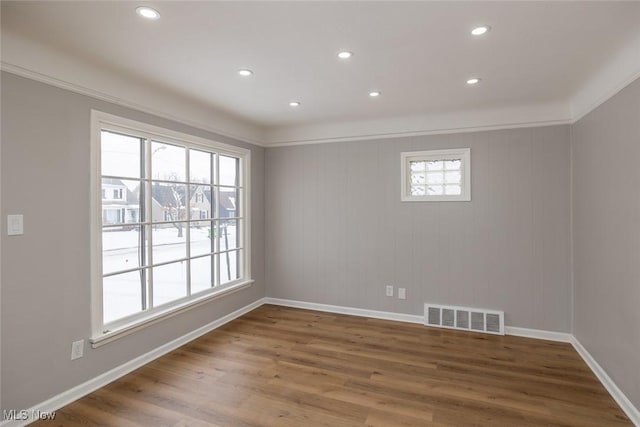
[
  {"x": 402, "y": 293},
  {"x": 77, "y": 349},
  {"x": 389, "y": 290}
]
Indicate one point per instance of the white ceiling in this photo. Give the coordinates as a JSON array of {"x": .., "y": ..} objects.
[{"x": 537, "y": 58}]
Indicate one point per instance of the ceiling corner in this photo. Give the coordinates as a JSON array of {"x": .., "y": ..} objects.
[{"x": 622, "y": 69}]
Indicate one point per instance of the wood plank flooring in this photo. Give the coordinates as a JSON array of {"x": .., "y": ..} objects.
[{"x": 280, "y": 366}]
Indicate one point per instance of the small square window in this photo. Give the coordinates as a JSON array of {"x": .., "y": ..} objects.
[{"x": 436, "y": 175}]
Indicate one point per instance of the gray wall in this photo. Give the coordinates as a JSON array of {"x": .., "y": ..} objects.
[
  {"x": 45, "y": 272},
  {"x": 337, "y": 233},
  {"x": 606, "y": 230}
]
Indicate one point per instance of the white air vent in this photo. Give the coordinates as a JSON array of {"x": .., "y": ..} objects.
[{"x": 464, "y": 318}]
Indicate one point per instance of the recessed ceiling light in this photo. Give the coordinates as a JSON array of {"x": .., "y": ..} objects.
[
  {"x": 147, "y": 12},
  {"x": 478, "y": 31},
  {"x": 244, "y": 72},
  {"x": 294, "y": 104},
  {"x": 345, "y": 54},
  {"x": 473, "y": 81},
  {"x": 375, "y": 93}
]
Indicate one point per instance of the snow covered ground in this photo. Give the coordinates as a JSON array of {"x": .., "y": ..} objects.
[{"x": 122, "y": 292}]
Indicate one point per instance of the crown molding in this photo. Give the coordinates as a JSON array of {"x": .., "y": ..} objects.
[
  {"x": 432, "y": 124},
  {"x": 82, "y": 90},
  {"x": 419, "y": 133}
]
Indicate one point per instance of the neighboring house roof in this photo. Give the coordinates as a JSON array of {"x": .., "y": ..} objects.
[
  {"x": 112, "y": 181},
  {"x": 201, "y": 189},
  {"x": 132, "y": 198},
  {"x": 164, "y": 195},
  {"x": 227, "y": 198}
]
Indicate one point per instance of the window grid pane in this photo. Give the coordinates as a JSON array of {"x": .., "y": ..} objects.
[
  {"x": 418, "y": 190},
  {"x": 229, "y": 270},
  {"x": 169, "y": 282},
  {"x": 120, "y": 155},
  {"x": 122, "y": 295},
  {"x": 122, "y": 249},
  {"x": 418, "y": 166},
  {"x": 168, "y": 162},
  {"x": 169, "y": 242},
  {"x": 202, "y": 273}
]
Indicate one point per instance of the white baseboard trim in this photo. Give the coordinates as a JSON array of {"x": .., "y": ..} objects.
[
  {"x": 386, "y": 315},
  {"x": 93, "y": 384},
  {"x": 538, "y": 334},
  {"x": 621, "y": 399}
]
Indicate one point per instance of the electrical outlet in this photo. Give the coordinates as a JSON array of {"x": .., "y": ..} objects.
[
  {"x": 402, "y": 293},
  {"x": 389, "y": 290},
  {"x": 77, "y": 349}
]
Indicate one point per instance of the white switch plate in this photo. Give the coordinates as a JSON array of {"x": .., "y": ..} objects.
[
  {"x": 402, "y": 293},
  {"x": 15, "y": 225},
  {"x": 389, "y": 290},
  {"x": 77, "y": 349}
]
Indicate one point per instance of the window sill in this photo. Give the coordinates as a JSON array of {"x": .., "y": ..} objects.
[
  {"x": 462, "y": 198},
  {"x": 124, "y": 330}
]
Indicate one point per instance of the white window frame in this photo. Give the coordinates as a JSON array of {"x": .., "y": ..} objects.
[
  {"x": 464, "y": 154},
  {"x": 104, "y": 333}
]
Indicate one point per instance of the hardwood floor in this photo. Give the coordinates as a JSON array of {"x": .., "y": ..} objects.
[{"x": 280, "y": 366}]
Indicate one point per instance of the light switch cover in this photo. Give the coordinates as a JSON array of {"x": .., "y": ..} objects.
[{"x": 15, "y": 225}]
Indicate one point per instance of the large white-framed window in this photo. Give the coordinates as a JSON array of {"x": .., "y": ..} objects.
[
  {"x": 153, "y": 252},
  {"x": 436, "y": 175}
]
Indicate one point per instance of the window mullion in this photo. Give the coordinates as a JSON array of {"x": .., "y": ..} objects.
[
  {"x": 149, "y": 213},
  {"x": 187, "y": 203},
  {"x": 213, "y": 214},
  {"x": 143, "y": 229},
  {"x": 217, "y": 219}
]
